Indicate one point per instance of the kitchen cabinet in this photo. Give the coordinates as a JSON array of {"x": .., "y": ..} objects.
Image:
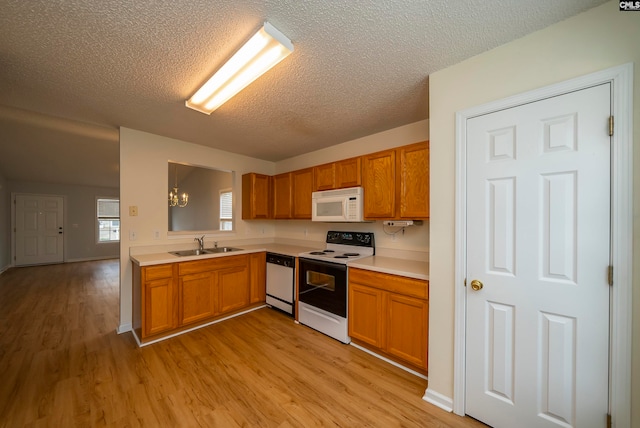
[
  {"x": 256, "y": 196},
  {"x": 282, "y": 192},
  {"x": 365, "y": 314},
  {"x": 396, "y": 183},
  {"x": 379, "y": 183},
  {"x": 159, "y": 299},
  {"x": 324, "y": 177},
  {"x": 233, "y": 283},
  {"x": 413, "y": 172},
  {"x": 302, "y": 188},
  {"x": 258, "y": 277},
  {"x": 389, "y": 314},
  {"x": 196, "y": 291},
  {"x": 337, "y": 175},
  {"x": 170, "y": 297}
]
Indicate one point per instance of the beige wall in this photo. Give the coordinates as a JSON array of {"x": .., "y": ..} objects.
[
  {"x": 143, "y": 183},
  {"x": 597, "y": 39}
]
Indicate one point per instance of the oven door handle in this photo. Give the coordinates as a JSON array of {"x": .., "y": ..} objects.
[{"x": 336, "y": 266}]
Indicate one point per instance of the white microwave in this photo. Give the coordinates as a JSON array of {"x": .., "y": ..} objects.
[{"x": 341, "y": 205}]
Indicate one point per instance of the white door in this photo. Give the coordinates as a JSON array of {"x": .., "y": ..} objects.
[
  {"x": 538, "y": 227},
  {"x": 39, "y": 236}
]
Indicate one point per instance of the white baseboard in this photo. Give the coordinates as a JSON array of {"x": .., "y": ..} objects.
[
  {"x": 140, "y": 344},
  {"x": 439, "y": 400},
  {"x": 4, "y": 269},
  {"x": 90, "y": 259},
  {"x": 407, "y": 369},
  {"x": 123, "y": 328}
]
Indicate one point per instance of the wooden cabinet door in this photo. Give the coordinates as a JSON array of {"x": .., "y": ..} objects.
[
  {"x": 366, "y": 319},
  {"x": 413, "y": 171},
  {"x": 258, "y": 275},
  {"x": 378, "y": 180},
  {"x": 197, "y": 297},
  {"x": 282, "y": 195},
  {"x": 407, "y": 329},
  {"x": 256, "y": 196},
  {"x": 159, "y": 305},
  {"x": 324, "y": 176},
  {"x": 233, "y": 286},
  {"x": 348, "y": 173},
  {"x": 302, "y": 185}
]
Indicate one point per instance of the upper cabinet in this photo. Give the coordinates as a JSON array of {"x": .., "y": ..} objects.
[
  {"x": 324, "y": 177},
  {"x": 282, "y": 196},
  {"x": 348, "y": 173},
  {"x": 256, "y": 196},
  {"x": 396, "y": 183},
  {"x": 413, "y": 182},
  {"x": 301, "y": 188},
  {"x": 379, "y": 182},
  {"x": 337, "y": 175}
]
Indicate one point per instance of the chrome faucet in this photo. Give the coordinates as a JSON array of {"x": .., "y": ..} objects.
[{"x": 200, "y": 242}]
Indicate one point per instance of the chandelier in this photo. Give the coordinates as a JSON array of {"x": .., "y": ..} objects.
[{"x": 175, "y": 198}]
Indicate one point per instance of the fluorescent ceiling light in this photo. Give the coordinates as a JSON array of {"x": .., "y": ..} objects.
[{"x": 264, "y": 50}]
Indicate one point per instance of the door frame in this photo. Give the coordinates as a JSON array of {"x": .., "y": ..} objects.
[{"x": 621, "y": 79}]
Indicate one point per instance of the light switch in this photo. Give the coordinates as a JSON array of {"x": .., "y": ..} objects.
[{"x": 133, "y": 210}]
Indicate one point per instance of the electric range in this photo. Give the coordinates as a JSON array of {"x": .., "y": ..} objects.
[{"x": 322, "y": 281}]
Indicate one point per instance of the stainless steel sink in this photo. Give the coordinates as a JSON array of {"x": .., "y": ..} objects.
[
  {"x": 185, "y": 253},
  {"x": 221, "y": 250}
]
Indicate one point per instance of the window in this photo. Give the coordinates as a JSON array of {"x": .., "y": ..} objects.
[
  {"x": 108, "y": 220},
  {"x": 226, "y": 210}
]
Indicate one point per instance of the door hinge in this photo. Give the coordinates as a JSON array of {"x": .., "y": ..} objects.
[
  {"x": 465, "y": 282},
  {"x": 609, "y": 423},
  {"x": 610, "y": 275},
  {"x": 610, "y": 126}
]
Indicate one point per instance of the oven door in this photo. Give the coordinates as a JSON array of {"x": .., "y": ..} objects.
[{"x": 323, "y": 285}]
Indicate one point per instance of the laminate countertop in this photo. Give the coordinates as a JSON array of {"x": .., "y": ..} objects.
[
  {"x": 410, "y": 268},
  {"x": 166, "y": 257},
  {"x": 395, "y": 266}
]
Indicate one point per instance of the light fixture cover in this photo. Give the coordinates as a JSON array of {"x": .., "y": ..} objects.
[{"x": 264, "y": 50}]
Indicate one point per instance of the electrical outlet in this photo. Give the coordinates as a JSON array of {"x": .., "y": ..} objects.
[
  {"x": 156, "y": 234},
  {"x": 132, "y": 235}
]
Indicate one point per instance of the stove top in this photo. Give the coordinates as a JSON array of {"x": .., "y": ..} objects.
[{"x": 343, "y": 247}]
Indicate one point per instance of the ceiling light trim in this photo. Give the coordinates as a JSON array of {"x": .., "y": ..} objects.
[{"x": 263, "y": 51}]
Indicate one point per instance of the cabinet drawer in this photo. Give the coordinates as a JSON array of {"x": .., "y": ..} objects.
[
  {"x": 158, "y": 271},
  {"x": 393, "y": 283},
  {"x": 188, "y": 268}
]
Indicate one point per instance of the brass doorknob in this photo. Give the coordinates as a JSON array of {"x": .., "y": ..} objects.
[{"x": 476, "y": 285}]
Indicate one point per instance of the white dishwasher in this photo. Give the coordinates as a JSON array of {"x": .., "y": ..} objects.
[{"x": 280, "y": 282}]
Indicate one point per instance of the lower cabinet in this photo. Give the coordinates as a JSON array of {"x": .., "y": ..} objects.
[
  {"x": 258, "y": 272},
  {"x": 389, "y": 314},
  {"x": 197, "y": 296},
  {"x": 233, "y": 296},
  {"x": 158, "y": 300},
  {"x": 183, "y": 294}
]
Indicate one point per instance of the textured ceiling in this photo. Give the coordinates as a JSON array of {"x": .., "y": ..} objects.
[{"x": 359, "y": 67}]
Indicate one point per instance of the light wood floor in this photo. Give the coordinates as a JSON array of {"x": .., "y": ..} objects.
[{"x": 63, "y": 365}]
